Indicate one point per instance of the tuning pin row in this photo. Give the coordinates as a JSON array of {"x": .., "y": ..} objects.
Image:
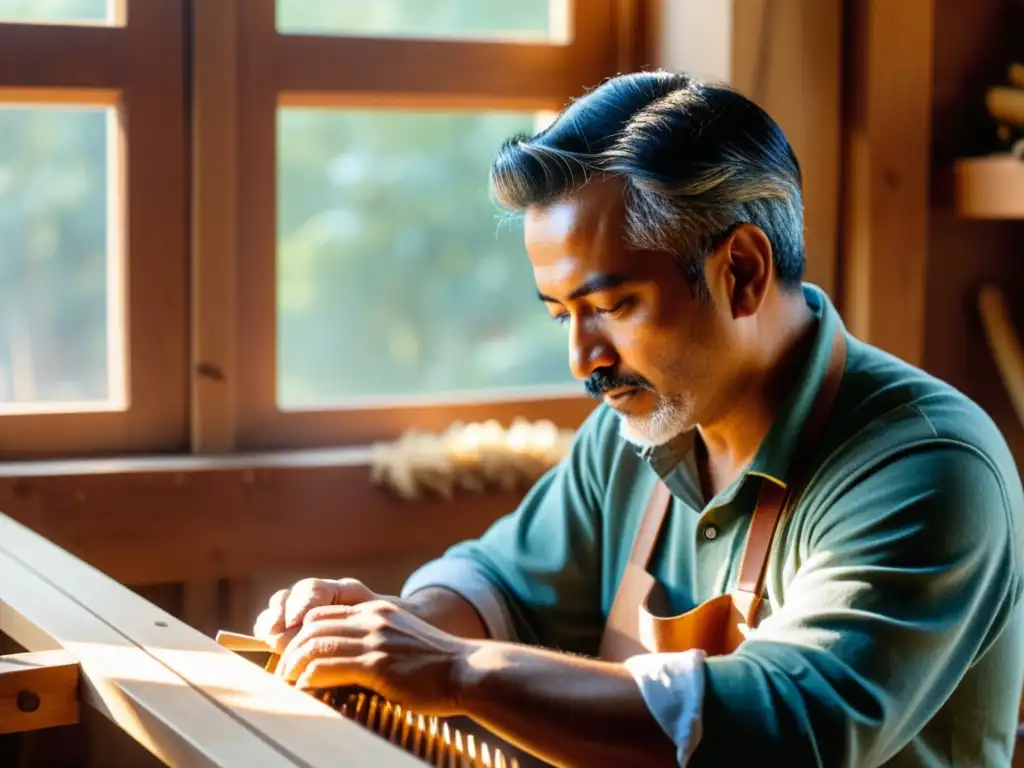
[{"x": 429, "y": 738}]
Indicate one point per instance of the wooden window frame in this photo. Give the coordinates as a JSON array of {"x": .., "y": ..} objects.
[
  {"x": 136, "y": 66},
  {"x": 199, "y": 195},
  {"x": 284, "y": 70}
]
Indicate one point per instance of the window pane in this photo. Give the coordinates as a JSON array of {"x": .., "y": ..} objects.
[
  {"x": 521, "y": 19},
  {"x": 62, "y": 11},
  {"x": 395, "y": 276},
  {"x": 55, "y": 305}
]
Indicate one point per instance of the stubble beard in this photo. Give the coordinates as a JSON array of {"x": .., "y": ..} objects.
[{"x": 671, "y": 417}]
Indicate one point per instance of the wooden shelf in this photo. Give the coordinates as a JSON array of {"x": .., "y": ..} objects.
[{"x": 989, "y": 187}]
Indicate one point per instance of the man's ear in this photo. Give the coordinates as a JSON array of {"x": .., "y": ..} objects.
[{"x": 741, "y": 266}]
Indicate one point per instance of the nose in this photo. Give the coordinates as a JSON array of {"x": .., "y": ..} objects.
[{"x": 589, "y": 348}]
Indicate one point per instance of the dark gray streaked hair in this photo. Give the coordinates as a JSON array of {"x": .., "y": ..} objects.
[{"x": 697, "y": 159}]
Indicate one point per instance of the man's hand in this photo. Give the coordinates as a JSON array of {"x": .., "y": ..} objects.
[
  {"x": 283, "y": 617},
  {"x": 380, "y": 646},
  {"x": 566, "y": 710},
  {"x": 429, "y": 654}
]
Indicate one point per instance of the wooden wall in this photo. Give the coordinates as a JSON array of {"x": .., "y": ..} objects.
[{"x": 974, "y": 41}]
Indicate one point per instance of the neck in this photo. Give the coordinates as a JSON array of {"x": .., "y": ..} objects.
[{"x": 750, "y": 407}]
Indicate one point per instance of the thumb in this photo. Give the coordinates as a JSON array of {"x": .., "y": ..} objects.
[
  {"x": 351, "y": 592},
  {"x": 279, "y": 642}
]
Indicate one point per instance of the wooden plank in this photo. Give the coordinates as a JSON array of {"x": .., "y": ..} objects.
[
  {"x": 152, "y": 704},
  {"x": 263, "y": 426},
  {"x": 58, "y": 56},
  {"x": 888, "y": 162},
  {"x": 38, "y": 690},
  {"x": 787, "y": 57},
  {"x": 37, "y": 96},
  {"x": 545, "y": 72},
  {"x": 214, "y": 211},
  {"x": 148, "y": 521},
  {"x": 188, "y": 700},
  {"x": 989, "y": 187}
]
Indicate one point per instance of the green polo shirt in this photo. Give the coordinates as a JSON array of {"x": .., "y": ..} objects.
[{"x": 894, "y": 633}]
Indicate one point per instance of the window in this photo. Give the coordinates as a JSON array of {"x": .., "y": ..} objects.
[
  {"x": 523, "y": 20},
  {"x": 58, "y": 11},
  {"x": 395, "y": 276},
  {"x": 59, "y": 271},
  {"x": 251, "y": 224},
  {"x": 93, "y": 334},
  {"x": 381, "y": 290}
]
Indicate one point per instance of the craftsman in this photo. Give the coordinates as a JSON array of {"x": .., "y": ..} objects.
[{"x": 663, "y": 221}]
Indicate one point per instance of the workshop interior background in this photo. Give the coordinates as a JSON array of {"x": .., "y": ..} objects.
[{"x": 260, "y": 320}]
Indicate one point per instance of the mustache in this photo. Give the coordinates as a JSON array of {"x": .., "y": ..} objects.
[{"x": 605, "y": 379}]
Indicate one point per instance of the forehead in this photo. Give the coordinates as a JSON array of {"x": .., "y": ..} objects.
[{"x": 581, "y": 235}]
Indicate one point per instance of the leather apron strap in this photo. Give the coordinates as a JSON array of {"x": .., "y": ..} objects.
[
  {"x": 772, "y": 497},
  {"x": 621, "y": 633},
  {"x": 621, "y": 638}
]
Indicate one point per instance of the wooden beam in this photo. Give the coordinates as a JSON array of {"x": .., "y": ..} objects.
[
  {"x": 544, "y": 71},
  {"x": 38, "y": 690},
  {"x": 264, "y": 426},
  {"x": 787, "y": 57},
  {"x": 192, "y": 518},
  {"x": 63, "y": 56},
  {"x": 214, "y": 196},
  {"x": 888, "y": 161},
  {"x": 182, "y": 696}
]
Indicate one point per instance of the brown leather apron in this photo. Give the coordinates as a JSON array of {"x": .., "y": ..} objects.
[{"x": 719, "y": 625}]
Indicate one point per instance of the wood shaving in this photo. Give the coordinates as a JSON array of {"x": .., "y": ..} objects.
[{"x": 469, "y": 457}]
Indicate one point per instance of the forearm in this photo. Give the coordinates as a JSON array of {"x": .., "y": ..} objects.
[
  {"x": 567, "y": 710},
  {"x": 448, "y": 611}
]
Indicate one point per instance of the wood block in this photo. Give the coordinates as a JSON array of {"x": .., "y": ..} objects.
[
  {"x": 990, "y": 187},
  {"x": 38, "y": 690}
]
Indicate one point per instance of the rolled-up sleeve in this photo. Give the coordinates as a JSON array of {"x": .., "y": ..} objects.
[
  {"x": 672, "y": 685},
  {"x": 469, "y": 580},
  {"x": 535, "y": 575},
  {"x": 911, "y": 573}
]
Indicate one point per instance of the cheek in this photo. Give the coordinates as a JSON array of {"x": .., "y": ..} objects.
[
  {"x": 669, "y": 350},
  {"x": 650, "y": 350}
]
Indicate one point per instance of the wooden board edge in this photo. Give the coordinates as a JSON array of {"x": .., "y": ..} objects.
[{"x": 220, "y": 708}]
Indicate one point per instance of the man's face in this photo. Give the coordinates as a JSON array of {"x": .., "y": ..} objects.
[{"x": 638, "y": 336}]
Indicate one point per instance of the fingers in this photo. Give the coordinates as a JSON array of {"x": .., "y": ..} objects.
[
  {"x": 333, "y": 630},
  {"x": 271, "y": 620},
  {"x": 306, "y": 594},
  {"x": 352, "y": 592},
  {"x": 279, "y": 642},
  {"x": 327, "y": 612},
  {"x": 287, "y": 607},
  {"x": 337, "y": 672},
  {"x": 321, "y": 641}
]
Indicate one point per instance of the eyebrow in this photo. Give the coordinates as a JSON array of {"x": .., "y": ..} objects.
[{"x": 593, "y": 285}]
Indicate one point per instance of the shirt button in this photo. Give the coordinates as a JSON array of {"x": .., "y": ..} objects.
[{"x": 710, "y": 532}]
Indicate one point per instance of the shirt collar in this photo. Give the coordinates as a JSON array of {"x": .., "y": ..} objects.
[{"x": 774, "y": 457}]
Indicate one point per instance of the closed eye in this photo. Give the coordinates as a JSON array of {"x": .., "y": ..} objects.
[
  {"x": 563, "y": 317},
  {"x": 618, "y": 309}
]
